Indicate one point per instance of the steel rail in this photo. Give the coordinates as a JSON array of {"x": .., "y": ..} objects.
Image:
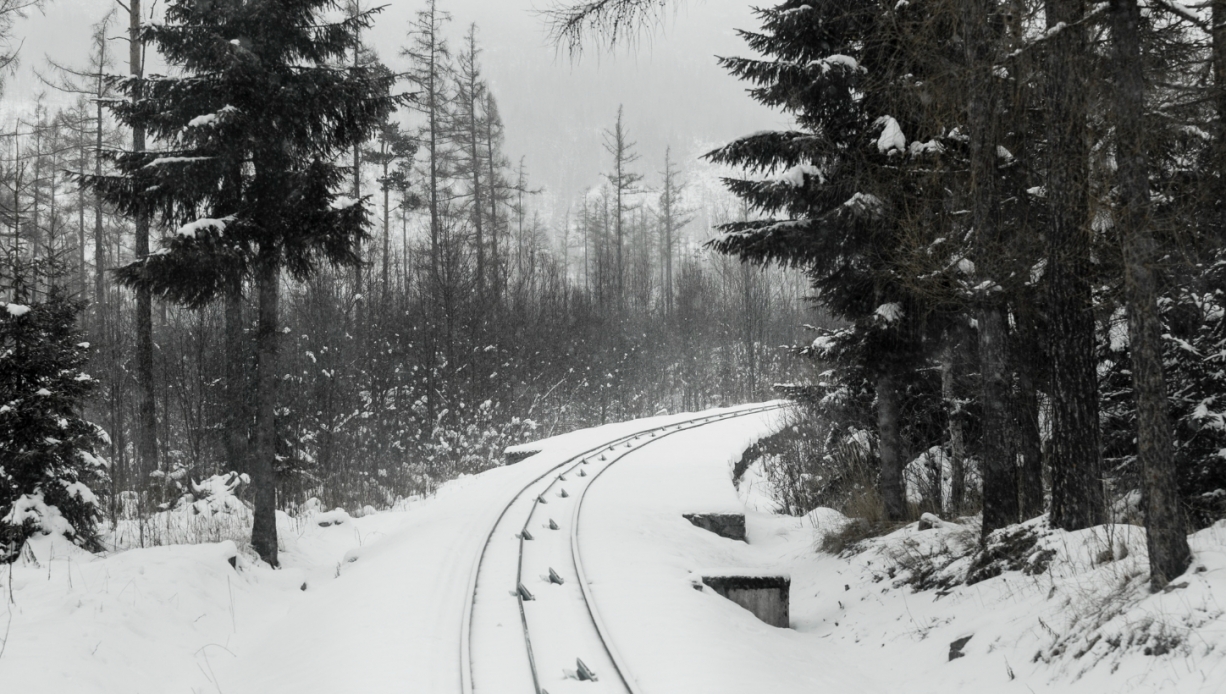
[{"x": 466, "y": 660}]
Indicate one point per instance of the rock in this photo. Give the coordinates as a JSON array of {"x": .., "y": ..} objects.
[
  {"x": 956, "y": 646},
  {"x": 929, "y": 521}
]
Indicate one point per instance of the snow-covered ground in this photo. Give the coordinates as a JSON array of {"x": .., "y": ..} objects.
[{"x": 375, "y": 604}]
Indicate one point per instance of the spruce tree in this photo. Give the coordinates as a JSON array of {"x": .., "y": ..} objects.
[
  {"x": 840, "y": 189},
  {"x": 249, "y": 130},
  {"x": 48, "y": 467}
]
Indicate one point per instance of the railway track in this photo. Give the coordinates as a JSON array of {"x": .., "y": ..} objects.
[{"x": 537, "y": 628}]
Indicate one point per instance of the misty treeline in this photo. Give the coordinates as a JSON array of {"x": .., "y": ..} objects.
[
  {"x": 411, "y": 305},
  {"x": 1016, "y": 207}
]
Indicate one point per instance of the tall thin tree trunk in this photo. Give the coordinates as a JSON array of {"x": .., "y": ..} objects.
[
  {"x": 1076, "y": 464},
  {"x": 387, "y": 234},
  {"x": 1026, "y": 417},
  {"x": 1219, "y": 102},
  {"x": 1167, "y": 538},
  {"x": 889, "y": 447},
  {"x": 998, "y": 467},
  {"x": 36, "y": 183},
  {"x": 263, "y": 482},
  {"x": 81, "y": 281},
  {"x": 147, "y": 443},
  {"x": 492, "y": 181},
  {"x": 99, "y": 243},
  {"x": 957, "y": 436},
  {"x": 237, "y": 418}
]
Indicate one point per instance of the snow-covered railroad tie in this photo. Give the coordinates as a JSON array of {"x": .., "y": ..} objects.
[{"x": 531, "y": 623}]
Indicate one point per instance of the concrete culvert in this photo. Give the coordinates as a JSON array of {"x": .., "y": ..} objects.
[
  {"x": 729, "y": 525},
  {"x": 765, "y": 595}
]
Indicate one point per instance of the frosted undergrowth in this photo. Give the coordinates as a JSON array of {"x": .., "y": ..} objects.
[{"x": 1072, "y": 609}]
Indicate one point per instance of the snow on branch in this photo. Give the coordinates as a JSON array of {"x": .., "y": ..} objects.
[
  {"x": 1056, "y": 29},
  {"x": 1183, "y": 12}
]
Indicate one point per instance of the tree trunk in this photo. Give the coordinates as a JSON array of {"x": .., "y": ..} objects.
[
  {"x": 1026, "y": 419},
  {"x": 1076, "y": 465},
  {"x": 146, "y": 443},
  {"x": 99, "y": 243},
  {"x": 387, "y": 236},
  {"x": 236, "y": 417},
  {"x": 998, "y": 467},
  {"x": 81, "y": 228},
  {"x": 889, "y": 482},
  {"x": 957, "y": 437},
  {"x": 1167, "y": 538},
  {"x": 263, "y": 482},
  {"x": 1219, "y": 102}
]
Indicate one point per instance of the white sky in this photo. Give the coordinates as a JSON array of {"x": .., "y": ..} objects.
[{"x": 554, "y": 108}]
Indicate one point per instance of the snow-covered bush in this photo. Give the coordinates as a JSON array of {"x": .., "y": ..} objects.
[{"x": 48, "y": 465}]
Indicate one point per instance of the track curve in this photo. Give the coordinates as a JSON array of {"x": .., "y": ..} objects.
[{"x": 564, "y": 619}]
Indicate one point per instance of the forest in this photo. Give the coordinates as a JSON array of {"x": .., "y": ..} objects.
[
  {"x": 452, "y": 316},
  {"x": 1013, "y": 210},
  {"x": 632, "y": 345},
  {"x": 294, "y": 259}
]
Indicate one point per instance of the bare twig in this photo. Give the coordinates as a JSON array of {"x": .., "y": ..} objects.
[{"x": 607, "y": 22}]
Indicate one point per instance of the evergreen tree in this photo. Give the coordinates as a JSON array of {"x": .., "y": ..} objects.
[
  {"x": 250, "y": 131},
  {"x": 48, "y": 466},
  {"x": 843, "y": 186}
]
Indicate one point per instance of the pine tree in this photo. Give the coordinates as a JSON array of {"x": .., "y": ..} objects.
[
  {"x": 247, "y": 174},
  {"x": 48, "y": 468}
]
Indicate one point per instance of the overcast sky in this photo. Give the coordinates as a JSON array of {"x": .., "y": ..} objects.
[{"x": 554, "y": 107}]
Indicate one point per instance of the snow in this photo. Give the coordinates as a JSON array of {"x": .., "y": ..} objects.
[
  {"x": 795, "y": 176},
  {"x": 17, "y": 309},
  {"x": 930, "y": 147},
  {"x": 890, "y": 313},
  {"x": 202, "y": 121},
  {"x": 845, "y": 62},
  {"x": 210, "y": 119},
  {"x": 374, "y": 603},
  {"x": 81, "y": 491},
  {"x": 343, "y": 202},
  {"x": 32, "y": 508},
  {"x": 891, "y": 139},
  {"x": 191, "y": 229},
  {"x": 161, "y": 161},
  {"x": 864, "y": 203}
]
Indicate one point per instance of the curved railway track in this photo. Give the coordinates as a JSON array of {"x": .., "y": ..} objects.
[{"x": 555, "y": 617}]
